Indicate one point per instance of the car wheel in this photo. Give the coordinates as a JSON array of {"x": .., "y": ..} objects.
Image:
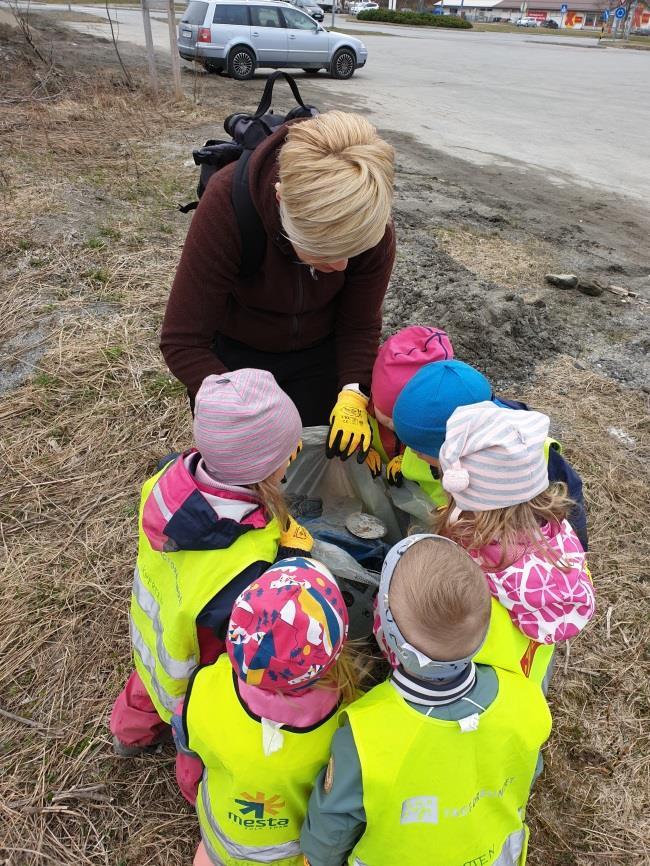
[
  {"x": 241, "y": 63},
  {"x": 311, "y": 71},
  {"x": 343, "y": 64}
]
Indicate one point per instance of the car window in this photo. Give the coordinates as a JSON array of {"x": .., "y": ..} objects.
[
  {"x": 227, "y": 14},
  {"x": 298, "y": 20},
  {"x": 265, "y": 16},
  {"x": 195, "y": 12}
]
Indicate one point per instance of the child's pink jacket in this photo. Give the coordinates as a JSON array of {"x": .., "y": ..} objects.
[{"x": 546, "y": 602}]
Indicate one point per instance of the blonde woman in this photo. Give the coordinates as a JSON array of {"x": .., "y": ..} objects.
[{"x": 311, "y": 315}]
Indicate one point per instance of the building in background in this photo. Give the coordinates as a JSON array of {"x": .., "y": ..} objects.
[{"x": 580, "y": 14}]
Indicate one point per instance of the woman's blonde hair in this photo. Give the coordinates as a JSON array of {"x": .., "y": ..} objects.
[
  {"x": 336, "y": 177},
  {"x": 517, "y": 528},
  {"x": 272, "y": 499},
  {"x": 440, "y": 599}
]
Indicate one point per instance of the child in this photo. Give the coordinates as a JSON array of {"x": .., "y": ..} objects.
[
  {"x": 210, "y": 523},
  {"x": 262, "y": 718},
  {"x": 505, "y": 514},
  {"x": 420, "y": 417},
  {"x": 399, "y": 358},
  {"x": 435, "y": 765},
  {"x": 515, "y": 526}
]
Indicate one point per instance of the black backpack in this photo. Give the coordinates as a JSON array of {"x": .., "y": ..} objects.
[{"x": 246, "y": 131}]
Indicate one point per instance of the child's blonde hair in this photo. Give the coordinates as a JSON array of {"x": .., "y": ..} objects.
[
  {"x": 336, "y": 185},
  {"x": 347, "y": 673},
  {"x": 517, "y": 528},
  {"x": 272, "y": 499},
  {"x": 440, "y": 599}
]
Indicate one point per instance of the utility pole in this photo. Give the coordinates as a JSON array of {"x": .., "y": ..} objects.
[
  {"x": 148, "y": 38},
  {"x": 176, "y": 63}
]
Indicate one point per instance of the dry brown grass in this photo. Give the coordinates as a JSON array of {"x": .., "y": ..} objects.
[
  {"x": 593, "y": 803},
  {"x": 90, "y": 245},
  {"x": 492, "y": 257}
]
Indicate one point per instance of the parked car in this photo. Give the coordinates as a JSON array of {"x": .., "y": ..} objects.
[
  {"x": 527, "y": 21},
  {"x": 311, "y": 8},
  {"x": 551, "y": 24},
  {"x": 362, "y": 6},
  {"x": 240, "y": 36},
  {"x": 326, "y": 6}
]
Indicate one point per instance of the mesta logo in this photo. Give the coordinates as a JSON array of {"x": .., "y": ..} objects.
[{"x": 260, "y": 809}]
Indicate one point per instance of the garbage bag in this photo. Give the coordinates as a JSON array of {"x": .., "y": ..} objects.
[
  {"x": 343, "y": 488},
  {"x": 411, "y": 499}
]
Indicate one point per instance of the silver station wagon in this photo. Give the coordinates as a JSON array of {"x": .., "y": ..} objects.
[{"x": 242, "y": 36}]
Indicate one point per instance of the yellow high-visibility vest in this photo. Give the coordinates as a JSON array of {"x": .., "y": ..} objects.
[
  {"x": 169, "y": 592},
  {"x": 508, "y": 648},
  {"x": 437, "y": 795},
  {"x": 251, "y": 806},
  {"x": 377, "y": 444},
  {"x": 416, "y": 469}
]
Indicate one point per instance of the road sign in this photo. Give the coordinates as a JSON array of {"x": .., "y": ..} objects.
[
  {"x": 620, "y": 12},
  {"x": 564, "y": 8},
  {"x": 605, "y": 14}
]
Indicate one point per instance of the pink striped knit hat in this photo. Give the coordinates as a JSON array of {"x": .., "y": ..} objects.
[
  {"x": 245, "y": 426},
  {"x": 493, "y": 457}
]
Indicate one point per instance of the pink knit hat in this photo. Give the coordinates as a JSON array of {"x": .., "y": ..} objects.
[
  {"x": 400, "y": 358},
  {"x": 288, "y": 628},
  {"x": 493, "y": 457},
  {"x": 245, "y": 426}
]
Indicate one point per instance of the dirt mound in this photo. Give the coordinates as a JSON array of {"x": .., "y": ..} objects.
[
  {"x": 475, "y": 265},
  {"x": 489, "y": 325}
]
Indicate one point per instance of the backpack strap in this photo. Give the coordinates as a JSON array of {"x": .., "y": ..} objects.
[
  {"x": 251, "y": 230},
  {"x": 267, "y": 95}
]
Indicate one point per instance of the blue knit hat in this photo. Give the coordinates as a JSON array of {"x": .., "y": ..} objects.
[{"x": 427, "y": 401}]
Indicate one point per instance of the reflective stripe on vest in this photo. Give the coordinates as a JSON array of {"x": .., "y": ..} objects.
[
  {"x": 257, "y": 853},
  {"x": 174, "y": 668},
  {"x": 215, "y": 859},
  {"x": 513, "y": 848},
  {"x": 144, "y": 654},
  {"x": 430, "y": 787}
]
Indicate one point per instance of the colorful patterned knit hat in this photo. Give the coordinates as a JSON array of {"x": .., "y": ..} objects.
[
  {"x": 288, "y": 628},
  {"x": 245, "y": 426},
  {"x": 493, "y": 457},
  {"x": 400, "y": 358}
]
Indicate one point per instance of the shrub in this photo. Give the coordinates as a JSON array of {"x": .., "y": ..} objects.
[{"x": 419, "y": 19}]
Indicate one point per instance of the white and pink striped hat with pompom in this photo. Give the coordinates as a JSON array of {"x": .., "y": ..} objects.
[{"x": 494, "y": 457}]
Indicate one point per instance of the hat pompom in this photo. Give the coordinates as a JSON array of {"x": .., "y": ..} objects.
[{"x": 455, "y": 480}]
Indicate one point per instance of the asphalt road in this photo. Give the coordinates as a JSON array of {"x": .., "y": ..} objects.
[{"x": 577, "y": 112}]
